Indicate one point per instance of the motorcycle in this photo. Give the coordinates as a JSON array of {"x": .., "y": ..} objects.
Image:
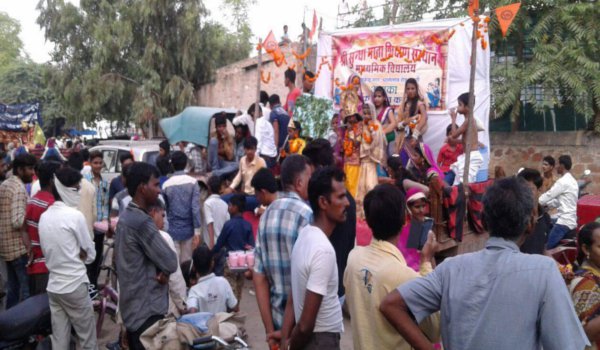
[{"x": 26, "y": 325}]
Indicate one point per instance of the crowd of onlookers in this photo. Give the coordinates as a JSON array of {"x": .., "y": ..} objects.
[{"x": 180, "y": 230}]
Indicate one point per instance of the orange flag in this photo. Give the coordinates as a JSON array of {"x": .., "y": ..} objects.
[
  {"x": 506, "y": 14},
  {"x": 473, "y": 6},
  {"x": 272, "y": 48}
]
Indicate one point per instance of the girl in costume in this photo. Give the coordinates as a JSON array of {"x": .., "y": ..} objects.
[
  {"x": 372, "y": 155},
  {"x": 385, "y": 115},
  {"x": 413, "y": 112},
  {"x": 352, "y": 139},
  {"x": 295, "y": 144}
]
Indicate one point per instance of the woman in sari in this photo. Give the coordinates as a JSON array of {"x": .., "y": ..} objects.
[
  {"x": 385, "y": 115},
  {"x": 418, "y": 159},
  {"x": 372, "y": 155},
  {"x": 585, "y": 287}
]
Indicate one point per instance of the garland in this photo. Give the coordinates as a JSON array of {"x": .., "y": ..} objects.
[{"x": 262, "y": 77}]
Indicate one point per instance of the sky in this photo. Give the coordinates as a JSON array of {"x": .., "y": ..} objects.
[{"x": 265, "y": 15}]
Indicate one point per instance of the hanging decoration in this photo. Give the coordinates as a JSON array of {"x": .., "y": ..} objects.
[
  {"x": 506, "y": 15},
  {"x": 262, "y": 77},
  {"x": 303, "y": 56}
]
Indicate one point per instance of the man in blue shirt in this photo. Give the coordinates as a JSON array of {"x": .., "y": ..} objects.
[
  {"x": 182, "y": 196},
  {"x": 496, "y": 298},
  {"x": 280, "y": 120}
]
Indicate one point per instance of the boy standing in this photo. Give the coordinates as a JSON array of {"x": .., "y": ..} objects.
[
  {"x": 461, "y": 132},
  {"x": 211, "y": 293},
  {"x": 236, "y": 235},
  {"x": 182, "y": 195},
  {"x": 215, "y": 211},
  {"x": 313, "y": 314},
  {"x": 36, "y": 206},
  {"x": 375, "y": 270}
]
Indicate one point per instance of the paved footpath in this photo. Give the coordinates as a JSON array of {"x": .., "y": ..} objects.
[{"x": 254, "y": 326}]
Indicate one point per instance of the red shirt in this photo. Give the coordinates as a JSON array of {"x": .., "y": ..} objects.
[
  {"x": 290, "y": 101},
  {"x": 36, "y": 206},
  {"x": 447, "y": 156}
]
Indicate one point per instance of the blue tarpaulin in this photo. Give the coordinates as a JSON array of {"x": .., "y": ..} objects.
[
  {"x": 13, "y": 117},
  {"x": 86, "y": 132}
]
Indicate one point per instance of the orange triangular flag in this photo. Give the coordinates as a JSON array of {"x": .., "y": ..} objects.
[
  {"x": 506, "y": 14},
  {"x": 270, "y": 44},
  {"x": 473, "y": 6},
  {"x": 272, "y": 48}
]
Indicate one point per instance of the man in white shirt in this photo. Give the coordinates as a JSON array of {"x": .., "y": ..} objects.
[
  {"x": 216, "y": 212},
  {"x": 67, "y": 246},
  {"x": 265, "y": 136},
  {"x": 562, "y": 195},
  {"x": 314, "y": 307}
]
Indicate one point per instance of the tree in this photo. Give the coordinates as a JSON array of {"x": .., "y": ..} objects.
[
  {"x": 25, "y": 82},
  {"x": 565, "y": 61},
  {"x": 10, "y": 42},
  {"x": 136, "y": 60}
]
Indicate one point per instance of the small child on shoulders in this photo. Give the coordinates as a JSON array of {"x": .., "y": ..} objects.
[
  {"x": 236, "y": 235},
  {"x": 212, "y": 293}
]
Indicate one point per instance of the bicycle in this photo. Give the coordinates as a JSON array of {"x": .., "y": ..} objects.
[{"x": 108, "y": 298}]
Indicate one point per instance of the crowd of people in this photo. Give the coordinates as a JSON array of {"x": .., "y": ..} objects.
[{"x": 172, "y": 243}]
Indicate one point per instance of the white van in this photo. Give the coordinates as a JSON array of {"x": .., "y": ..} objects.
[{"x": 142, "y": 151}]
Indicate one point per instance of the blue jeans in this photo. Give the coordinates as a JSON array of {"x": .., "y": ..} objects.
[
  {"x": 18, "y": 283},
  {"x": 557, "y": 233},
  {"x": 251, "y": 201},
  {"x": 218, "y": 166}
]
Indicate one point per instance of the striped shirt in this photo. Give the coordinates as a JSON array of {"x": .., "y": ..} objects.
[
  {"x": 13, "y": 200},
  {"x": 277, "y": 232},
  {"x": 36, "y": 206}
]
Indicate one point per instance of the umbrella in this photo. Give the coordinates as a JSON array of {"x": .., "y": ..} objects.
[{"x": 194, "y": 125}]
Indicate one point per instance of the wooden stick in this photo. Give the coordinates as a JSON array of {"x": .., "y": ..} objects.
[
  {"x": 470, "y": 121},
  {"x": 258, "y": 78}
]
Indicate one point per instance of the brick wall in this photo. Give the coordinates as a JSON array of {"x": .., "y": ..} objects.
[
  {"x": 235, "y": 84},
  {"x": 513, "y": 150}
]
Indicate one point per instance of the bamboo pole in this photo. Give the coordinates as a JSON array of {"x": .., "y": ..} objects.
[
  {"x": 258, "y": 79},
  {"x": 470, "y": 120}
]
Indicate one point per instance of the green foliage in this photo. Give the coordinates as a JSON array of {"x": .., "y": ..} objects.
[
  {"x": 134, "y": 60},
  {"x": 10, "y": 43},
  {"x": 314, "y": 114},
  {"x": 564, "y": 63},
  {"x": 24, "y": 82}
]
